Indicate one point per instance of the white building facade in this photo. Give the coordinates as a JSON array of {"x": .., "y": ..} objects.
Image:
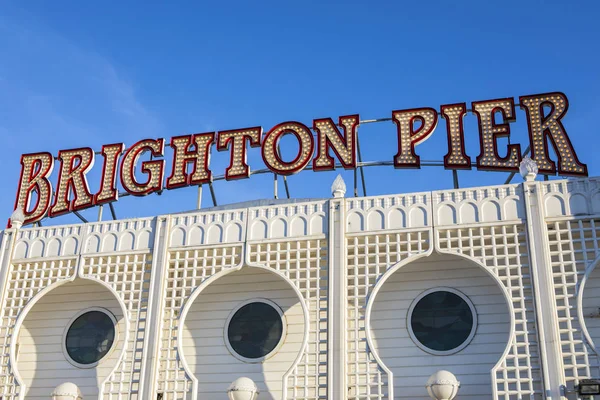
[{"x": 360, "y": 298}]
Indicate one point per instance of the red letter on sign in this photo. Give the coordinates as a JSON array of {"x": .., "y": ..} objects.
[
  {"x": 108, "y": 189},
  {"x": 236, "y": 140},
  {"x": 35, "y": 170},
  {"x": 490, "y": 131},
  {"x": 543, "y": 127},
  {"x": 270, "y": 151},
  {"x": 154, "y": 169},
  {"x": 74, "y": 164},
  {"x": 344, "y": 145},
  {"x": 408, "y": 137},
  {"x": 199, "y": 157},
  {"x": 456, "y": 157}
]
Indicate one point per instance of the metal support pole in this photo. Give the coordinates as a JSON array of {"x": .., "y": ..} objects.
[
  {"x": 362, "y": 171},
  {"x": 275, "y": 195},
  {"x": 285, "y": 185},
  {"x": 199, "y": 200},
  {"x": 100, "y": 209},
  {"x": 355, "y": 182},
  {"x": 212, "y": 193},
  {"x": 81, "y": 217},
  {"x": 455, "y": 178},
  {"x": 112, "y": 211}
]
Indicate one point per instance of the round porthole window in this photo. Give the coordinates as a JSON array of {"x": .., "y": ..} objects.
[
  {"x": 442, "y": 321},
  {"x": 89, "y": 337},
  {"x": 255, "y": 330}
]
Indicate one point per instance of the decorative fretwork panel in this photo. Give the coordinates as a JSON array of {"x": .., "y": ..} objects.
[
  {"x": 129, "y": 276},
  {"x": 573, "y": 248},
  {"x": 24, "y": 280},
  {"x": 503, "y": 249},
  {"x": 186, "y": 270},
  {"x": 369, "y": 257},
  {"x": 305, "y": 264}
]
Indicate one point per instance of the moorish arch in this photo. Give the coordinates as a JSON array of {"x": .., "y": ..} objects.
[
  {"x": 208, "y": 324},
  {"x": 410, "y": 355},
  {"x": 588, "y": 307},
  {"x": 47, "y": 351}
]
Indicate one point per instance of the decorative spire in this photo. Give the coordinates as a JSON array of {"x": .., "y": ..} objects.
[
  {"x": 17, "y": 218},
  {"x": 528, "y": 169},
  {"x": 338, "y": 189}
]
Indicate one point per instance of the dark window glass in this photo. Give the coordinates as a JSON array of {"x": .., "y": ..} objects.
[
  {"x": 255, "y": 330},
  {"x": 442, "y": 321},
  {"x": 90, "y": 337}
]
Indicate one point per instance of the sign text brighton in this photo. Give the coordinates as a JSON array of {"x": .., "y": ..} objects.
[{"x": 191, "y": 153}]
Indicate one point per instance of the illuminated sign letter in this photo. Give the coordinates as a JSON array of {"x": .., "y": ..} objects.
[
  {"x": 108, "y": 189},
  {"x": 236, "y": 140},
  {"x": 154, "y": 169},
  {"x": 490, "y": 131},
  {"x": 544, "y": 126},
  {"x": 270, "y": 151},
  {"x": 35, "y": 170},
  {"x": 456, "y": 157},
  {"x": 199, "y": 157},
  {"x": 409, "y": 136},
  {"x": 329, "y": 136},
  {"x": 74, "y": 164}
]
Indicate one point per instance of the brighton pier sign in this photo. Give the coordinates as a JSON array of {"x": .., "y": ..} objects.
[{"x": 191, "y": 153}]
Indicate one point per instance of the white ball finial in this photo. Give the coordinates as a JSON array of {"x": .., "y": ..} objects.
[
  {"x": 17, "y": 218},
  {"x": 67, "y": 391},
  {"x": 338, "y": 189},
  {"x": 442, "y": 385},
  {"x": 528, "y": 169},
  {"x": 243, "y": 389}
]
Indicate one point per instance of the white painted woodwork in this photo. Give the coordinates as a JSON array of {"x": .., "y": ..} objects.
[
  {"x": 203, "y": 338},
  {"x": 334, "y": 261},
  {"x": 41, "y": 360},
  {"x": 412, "y": 366},
  {"x": 591, "y": 306}
]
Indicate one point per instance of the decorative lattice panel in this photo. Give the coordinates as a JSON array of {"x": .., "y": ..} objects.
[
  {"x": 129, "y": 276},
  {"x": 304, "y": 262},
  {"x": 503, "y": 249},
  {"x": 24, "y": 280},
  {"x": 186, "y": 270},
  {"x": 574, "y": 245},
  {"x": 369, "y": 257}
]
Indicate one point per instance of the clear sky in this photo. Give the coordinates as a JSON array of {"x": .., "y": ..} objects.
[{"x": 81, "y": 73}]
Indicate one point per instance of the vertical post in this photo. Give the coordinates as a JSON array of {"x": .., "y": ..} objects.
[
  {"x": 100, "y": 209},
  {"x": 154, "y": 316},
  {"x": 336, "y": 350},
  {"x": 542, "y": 281},
  {"x": 455, "y": 178},
  {"x": 199, "y": 199},
  {"x": 275, "y": 195},
  {"x": 8, "y": 238}
]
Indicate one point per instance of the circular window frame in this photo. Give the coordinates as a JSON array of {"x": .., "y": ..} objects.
[
  {"x": 455, "y": 350},
  {"x": 275, "y": 349},
  {"x": 66, "y": 331}
]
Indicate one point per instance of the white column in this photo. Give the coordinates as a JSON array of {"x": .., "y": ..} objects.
[
  {"x": 154, "y": 314},
  {"x": 337, "y": 387},
  {"x": 542, "y": 280}
]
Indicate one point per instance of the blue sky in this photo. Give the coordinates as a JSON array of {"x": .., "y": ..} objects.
[{"x": 78, "y": 74}]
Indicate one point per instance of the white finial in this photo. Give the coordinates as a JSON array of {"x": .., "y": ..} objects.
[
  {"x": 67, "y": 391},
  {"x": 528, "y": 169},
  {"x": 17, "y": 218},
  {"x": 442, "y": 385},
  {"x": 338, "y": 189},
  {"x": 242, "y": 389}
]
